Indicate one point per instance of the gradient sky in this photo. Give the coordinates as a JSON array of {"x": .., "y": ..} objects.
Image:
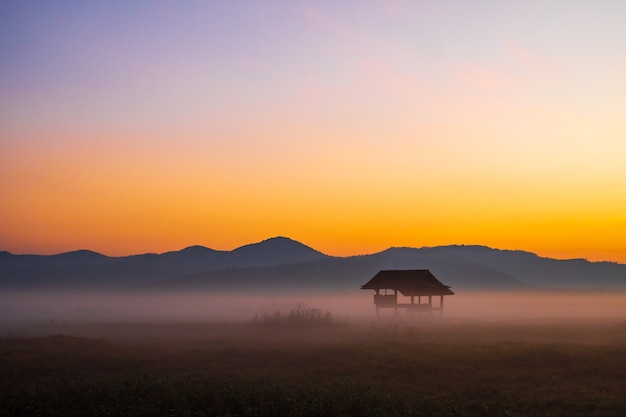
[{"x": 147, "y": 126}]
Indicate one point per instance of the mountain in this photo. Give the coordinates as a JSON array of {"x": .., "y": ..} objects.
[
  {"x": 453, "y": 269},
  {"x": 27, "y": 271},
  {"x": 343, "y": 274},
  {"x": 275, "y": 251},
  {"x": 546, "y": 272},
  {"x": 280, "y": 263},
  {"x": 86, "y": 269}
]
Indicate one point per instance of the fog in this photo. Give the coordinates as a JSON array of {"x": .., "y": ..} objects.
[{"x": 353, "y": 307}]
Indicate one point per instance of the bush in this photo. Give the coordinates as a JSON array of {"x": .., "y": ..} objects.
[{"x": 301, "y": 316}]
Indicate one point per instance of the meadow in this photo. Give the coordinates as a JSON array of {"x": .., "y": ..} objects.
[{"x": 310, "y": 362}]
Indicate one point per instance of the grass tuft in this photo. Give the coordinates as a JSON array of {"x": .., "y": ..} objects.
[{"x": 303, "y": 316}]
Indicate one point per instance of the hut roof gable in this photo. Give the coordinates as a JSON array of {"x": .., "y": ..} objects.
[{"x": 408, "y": 282}]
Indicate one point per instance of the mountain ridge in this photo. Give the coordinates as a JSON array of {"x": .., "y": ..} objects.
[
  {"x": 194, "y": 247},
  {"x": 282, "y": 261}
]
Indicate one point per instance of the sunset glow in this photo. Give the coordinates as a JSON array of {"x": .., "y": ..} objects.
[{"x": 351, "y": 127}]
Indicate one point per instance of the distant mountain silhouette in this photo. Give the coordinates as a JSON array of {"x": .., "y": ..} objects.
[
  {"x": 342, "y": 274},
  {"x": 546, "y": 272},
  {"x": 275, "y": 251},
  {"x": 281, "y": 263},
  {"x": 86, "y": 269}
]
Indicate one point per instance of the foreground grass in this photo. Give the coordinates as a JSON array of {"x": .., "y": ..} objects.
[{"x": 297, "y": 373}]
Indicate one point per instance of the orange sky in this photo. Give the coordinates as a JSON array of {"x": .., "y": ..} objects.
[{"x": 399, "y": 125}]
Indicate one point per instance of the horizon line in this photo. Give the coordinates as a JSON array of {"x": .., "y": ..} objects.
[{"x": 311, "y": 247}]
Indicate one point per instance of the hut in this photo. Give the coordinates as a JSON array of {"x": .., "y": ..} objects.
[{"x": 409, "y": 283}]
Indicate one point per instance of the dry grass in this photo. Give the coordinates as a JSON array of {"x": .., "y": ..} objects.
[
  {"x": 300, "y": 316},
  {"x": 440, "y": 369}
]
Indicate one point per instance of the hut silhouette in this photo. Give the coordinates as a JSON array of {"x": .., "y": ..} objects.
[{"x": 410, "y": 283}]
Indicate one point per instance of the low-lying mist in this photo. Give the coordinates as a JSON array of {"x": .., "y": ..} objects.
[{"x": 354, "y": 307}]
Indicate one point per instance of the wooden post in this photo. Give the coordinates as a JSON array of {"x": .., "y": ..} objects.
[
  {"x": 412, "y": 299},
  {"x": 376, "y": 304},
  {"x": 441, "y": 305},
  {"x": 395, "y": 306},
  {"x": 430, "y": 300}
]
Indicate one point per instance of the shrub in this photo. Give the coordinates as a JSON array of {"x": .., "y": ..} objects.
[{"x": 301, "y": 316}]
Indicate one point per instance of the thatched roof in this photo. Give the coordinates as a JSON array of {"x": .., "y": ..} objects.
[{"x": 408, "y": 282}]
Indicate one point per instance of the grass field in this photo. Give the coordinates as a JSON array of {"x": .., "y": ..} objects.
[{"x": 250, "y": 368}]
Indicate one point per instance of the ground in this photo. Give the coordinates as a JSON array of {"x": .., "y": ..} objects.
[{"x": 429, "y": 366}]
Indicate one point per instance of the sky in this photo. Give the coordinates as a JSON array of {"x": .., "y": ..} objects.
[{"x": 352, "y": 126}]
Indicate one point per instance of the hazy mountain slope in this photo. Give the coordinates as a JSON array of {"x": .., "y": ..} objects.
[
  {"x": 24, "y": 271},
  {"x": 84, "y": 269},
  {"x": 544, "y": 272},
  {"x": 285, "y": 263},
  {"x": 74, "y": 269},
  {"x": 451, "y": 269},
  {"x": 61, "y": 260},
  {"x": 344, "y": 274}
]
